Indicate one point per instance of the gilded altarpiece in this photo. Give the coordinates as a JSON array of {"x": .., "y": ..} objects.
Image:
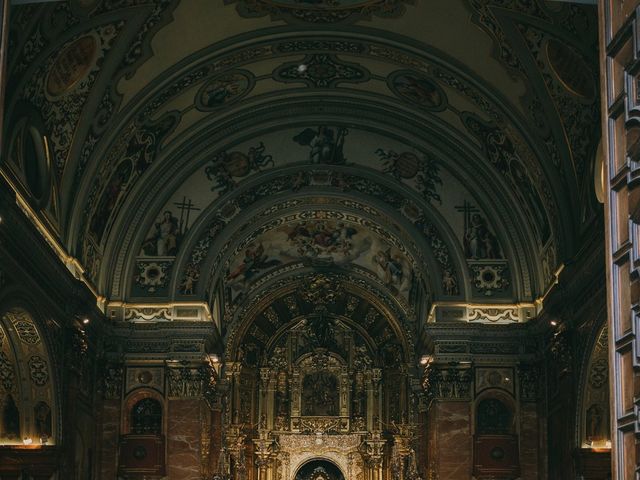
[{"x": 313, "y": 388}]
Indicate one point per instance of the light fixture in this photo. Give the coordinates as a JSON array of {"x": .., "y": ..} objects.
[
  {"x": 27, "y": 440},
  {"x": 425, "y": 360},
  {"x": 302, "y": 68},
  {"x": 553, "y": 323},
  {"x": 85, "y": 321}
]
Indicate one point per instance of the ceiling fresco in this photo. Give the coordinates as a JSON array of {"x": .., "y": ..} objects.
[{"x": 442, "y": 150}]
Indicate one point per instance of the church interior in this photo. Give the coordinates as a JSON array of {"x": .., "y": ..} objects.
[{"x": 319, "y": 240}]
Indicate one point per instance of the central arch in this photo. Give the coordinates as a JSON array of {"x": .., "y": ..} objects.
[{"x": 319, "y": 469}]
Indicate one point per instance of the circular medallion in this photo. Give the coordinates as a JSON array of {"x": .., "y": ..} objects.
[
  {"x": 72, "y": 65},
  {"x": 417, "y": 90},
  {"x": 497, "y": 453},
  {"x": 145, "y": 377},
  {"x": 139, "y": 453},
  {"x": 224, "y": 90},
  {"x": 407, "y": 165},
  {"x": 237, "y": 164},
  {"x": 572, "y": 71}
]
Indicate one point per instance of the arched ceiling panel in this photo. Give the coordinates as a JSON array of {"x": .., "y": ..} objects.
[{"x": 468, "y": 123}]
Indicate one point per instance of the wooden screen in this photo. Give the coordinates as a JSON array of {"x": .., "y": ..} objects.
[{"x": 620, "y": 67}]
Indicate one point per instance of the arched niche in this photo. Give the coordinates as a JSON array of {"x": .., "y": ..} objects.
[
  {"x": 319, "y": 469},
  {"x": 594, "y": 411},
  {"x": 496, "y": 439},
  {"x": 142, "y": 449},
  {"x": 494, "y": 417},
  {"x": 134, "y": 400},
  {"x": 296, "y": 451},
  {"x": 491, "y": 409},
  {"x": 322, "y": 386},
  {"x": 27, "y": 384}
]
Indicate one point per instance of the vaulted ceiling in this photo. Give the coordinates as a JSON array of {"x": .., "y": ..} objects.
[{"x": 441, "y": 152}]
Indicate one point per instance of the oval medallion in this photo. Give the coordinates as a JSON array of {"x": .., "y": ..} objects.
[{"x": 72, "y": 65}]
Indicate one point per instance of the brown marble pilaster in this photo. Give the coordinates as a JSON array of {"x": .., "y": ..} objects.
[
  {"x": 529, "y": 442},
  {"x": 109, "y": 439},
  {"x": 216, "y": 440},
  {"x": 183, "y": 439},
  {"x": 454, "y": 443}
]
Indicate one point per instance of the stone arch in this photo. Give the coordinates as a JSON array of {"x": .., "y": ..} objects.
[
  {"x": 400, "y": 322},
  {"x": 341, "y": 450},
  {"x": 28, "y": 378},
  {"x": 332, "y": 467},
  {"x": 594, "y": 406}
]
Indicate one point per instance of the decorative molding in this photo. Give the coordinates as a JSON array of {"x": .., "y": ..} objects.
[
  {"x": 449, "y": 383},
  {"x": 442, "y": 312},
  {"x": 321, "y": 70},
  {"x": 152, "y": 313}
]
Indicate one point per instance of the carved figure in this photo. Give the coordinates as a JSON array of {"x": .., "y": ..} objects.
[{"x": 449, "y": 283}]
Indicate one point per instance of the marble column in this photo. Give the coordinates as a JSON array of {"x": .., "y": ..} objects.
[{"x": 183, "y": 439}]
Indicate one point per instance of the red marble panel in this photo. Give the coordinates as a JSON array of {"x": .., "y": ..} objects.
[
  {"x": 109, "y": 439},
  {"x": 529, "y": 442},
  {"x": 183, "y": 439},
  {"x": 454, "y": 442}
]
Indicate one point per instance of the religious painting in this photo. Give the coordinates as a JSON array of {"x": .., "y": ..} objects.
[
  {"x": 320, "y": 238},
  {"x": 224, "y": 90},
  {"x": 254, "y": 261},
  {"x": 115, "y": 187},
  {"x": 323, "y": 239},
  {"x": 168, "y": 230},
  {"x": 139, "y": 154},
  {"x": 320, "y": 394},
  {"x": 417, "y": 90},
  {"x": 479, "y": 241},
  {"x": 165, "y": 237},
  {"x": 325, "y": 144}
]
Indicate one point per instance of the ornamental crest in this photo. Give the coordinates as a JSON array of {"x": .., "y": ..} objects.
[{"x": 320, "y": 11}]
